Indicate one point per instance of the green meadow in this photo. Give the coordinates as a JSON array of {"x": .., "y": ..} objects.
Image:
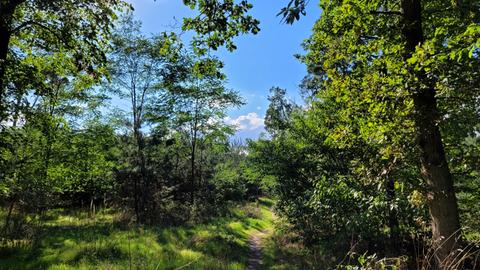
[{"x": 78, "y": 240}]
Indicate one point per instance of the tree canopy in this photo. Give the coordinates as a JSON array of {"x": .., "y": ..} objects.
[{"x": 376, "y": 168}]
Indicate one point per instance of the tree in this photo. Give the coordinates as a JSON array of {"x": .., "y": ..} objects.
[
  {"x": 201, "y": 101},
  {"x": 31, "y": 28},
  {"x": 38, "y": 156},
  {"x": 41, "y": 116},
  {"x": 384, "y": 62},
  {"x": 86, "y": 162},
  {"x": 139, "y": 68},
  {"x": 279, "y": 111}
]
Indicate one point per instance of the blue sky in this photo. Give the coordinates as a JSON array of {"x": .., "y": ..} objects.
[{"x": 260, "y": 62}]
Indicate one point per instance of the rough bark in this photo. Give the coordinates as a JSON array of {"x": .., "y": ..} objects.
[
  {"x": 4, "y": 41},
  {"x": 441, "y": 198},
  {"x": 7, "y": 9}
]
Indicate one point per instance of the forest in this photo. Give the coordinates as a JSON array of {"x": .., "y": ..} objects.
[{"x": 116, "y": 152}]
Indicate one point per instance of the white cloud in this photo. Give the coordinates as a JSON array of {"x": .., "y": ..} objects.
[
  {"x": 259, "y": 108},
  {"x": 251, "y": 121}
]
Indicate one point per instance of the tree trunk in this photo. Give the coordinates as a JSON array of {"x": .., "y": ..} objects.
[
  {"x": 92, "y": 211},
  {"x": 6, "y": 11},
  {"x": 4, "y": 42},
  {"x": 192, "y": 160},
  {"x": 200, "y": 167},
  {"x": 8, "y": 218},
  {"x": 135, "y": 197},
  {"x": 140, "y": 186},
  {"x": 441, "y": 198},
  {"x": 194, "y": 148}
]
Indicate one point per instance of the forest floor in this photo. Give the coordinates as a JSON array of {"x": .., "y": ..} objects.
[{"x": 75, "y": 240}]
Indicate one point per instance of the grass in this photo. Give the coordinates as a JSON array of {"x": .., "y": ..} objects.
[
  {"x": 283, "y": 250},
  {"x": 73, "y": 240}
]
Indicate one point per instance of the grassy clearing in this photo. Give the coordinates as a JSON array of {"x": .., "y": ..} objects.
[{"x": 77, "y": 241}]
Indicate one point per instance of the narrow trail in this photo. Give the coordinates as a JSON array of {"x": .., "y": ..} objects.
[{"x": 255, "y": 243}]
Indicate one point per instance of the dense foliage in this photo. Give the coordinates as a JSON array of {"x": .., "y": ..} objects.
[
  {"x": 391, "y": 101},
  {"x": 380, "y": 160},
  {"x": 59, "y": 147}
]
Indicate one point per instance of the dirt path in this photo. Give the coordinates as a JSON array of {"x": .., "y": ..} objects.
[{"x": 255, "y": 260}]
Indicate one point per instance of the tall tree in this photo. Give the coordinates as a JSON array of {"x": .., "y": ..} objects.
[
  {"x": 201, "y": 101},
  {"x": 384, "y": 63},
  {"x": 138, "y": 66}
]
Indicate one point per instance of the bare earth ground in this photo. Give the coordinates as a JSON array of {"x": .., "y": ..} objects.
[{"x": 255, "y": 260}]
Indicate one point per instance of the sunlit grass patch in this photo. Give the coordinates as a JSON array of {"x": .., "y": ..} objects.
[{"x": 80, "y": 240}]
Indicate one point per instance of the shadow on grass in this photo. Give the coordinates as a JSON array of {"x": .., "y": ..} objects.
[
  {"x": 224, "y": 240},
  {"x": 267, "y": 202},
  {"x": 72, "y": 241},
  {"x": 57, "y": 245}
]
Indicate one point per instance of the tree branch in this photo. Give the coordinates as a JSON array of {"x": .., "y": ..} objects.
[
  {"x": 376, "y": 12},
  {"x": 32, "y": 22}
]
